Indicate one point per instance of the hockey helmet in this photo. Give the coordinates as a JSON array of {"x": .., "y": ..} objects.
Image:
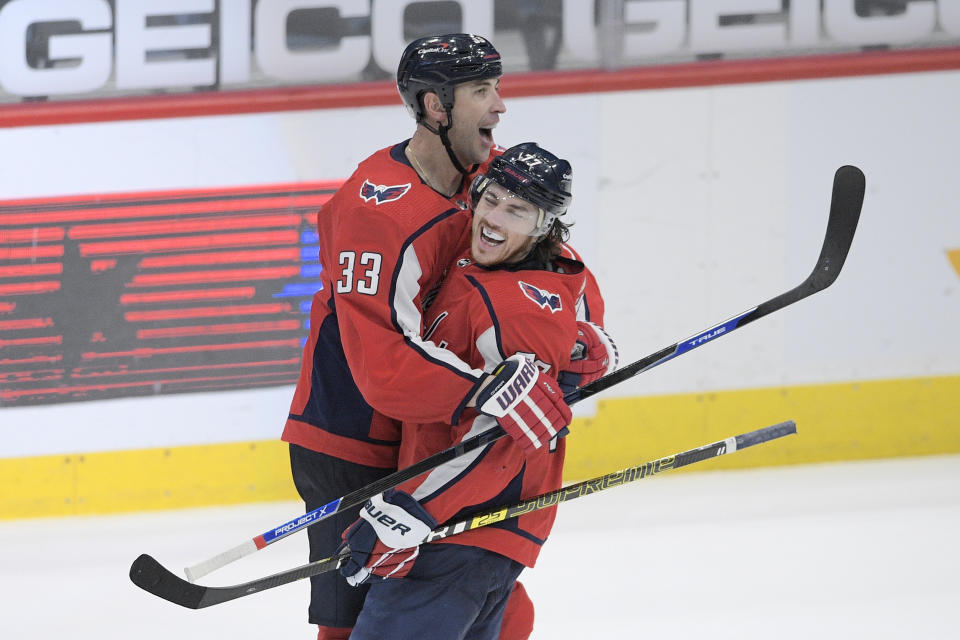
[
  {"x": 530, "y": 172},
  {"x": 439, "y": 63}
]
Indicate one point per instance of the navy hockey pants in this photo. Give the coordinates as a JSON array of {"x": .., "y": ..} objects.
[
  {"x": 452, "y": 592},
  {"x": 319, "y": 479}
]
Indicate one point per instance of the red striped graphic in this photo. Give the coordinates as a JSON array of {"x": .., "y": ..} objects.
[
  {"x": 21, "y": 270},
  {"x": 219, "y": 329},
  {"x": 26, "y": 288},
  {"x": 35, "y": 235},
  {"x": 12, "y": 395},
  {"x": 190, "y": 294},
  {"x": 30, "y": 360},
  {"x": 22, "y": 342},
  {"x": 82, "y": 373},
  {"x": 147, "y": 352},
  {"x": 126, "y": 229},
  {"x": 137, "y": 197},
  {"x": 205, "y": 312},
  {"x": 102, "y": 265},
  {"x": 26, "y": 323},
  {"x": 29, "y": 253},
  {"x": 283, "y": 203},
  {"x": 226, "y": 257},
  {"x": 227, "y": 275},
  {"x": 200, "y": 272},
  {"x": 215, "y": 241}
]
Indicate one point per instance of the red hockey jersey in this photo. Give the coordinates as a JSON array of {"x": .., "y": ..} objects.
[
  {"x": 484, "y": 315},
  {"x": 386, "y": 241}
]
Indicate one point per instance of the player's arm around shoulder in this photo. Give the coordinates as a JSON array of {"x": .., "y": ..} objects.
[{"x": 379, "y": 266}]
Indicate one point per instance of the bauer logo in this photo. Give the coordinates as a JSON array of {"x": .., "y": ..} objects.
[{"x": 382, "y": 193}]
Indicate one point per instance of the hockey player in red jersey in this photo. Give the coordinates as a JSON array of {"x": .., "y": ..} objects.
[
  {"x": 386, "y": 239},
  {"x": 508, "y": 307}
]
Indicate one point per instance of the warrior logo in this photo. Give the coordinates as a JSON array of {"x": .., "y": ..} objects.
[
  {"x": 382, "y": 193},
  {"x": 545, "y": 299}
]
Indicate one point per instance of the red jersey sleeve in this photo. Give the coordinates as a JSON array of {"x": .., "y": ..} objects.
[
  {"x": 380, "y": 274},
  {"x": 590, "y": 307}
]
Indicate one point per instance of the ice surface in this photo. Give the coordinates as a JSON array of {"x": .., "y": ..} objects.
[{"x": 851, "y": 550}]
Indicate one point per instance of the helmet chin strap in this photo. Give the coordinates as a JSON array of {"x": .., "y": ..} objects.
[{"x": 441, "y": 130}]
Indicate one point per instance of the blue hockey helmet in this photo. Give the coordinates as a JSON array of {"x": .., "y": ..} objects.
[
  {"x": 534, "y": 174},
  {"x": 439, "y": 63}
]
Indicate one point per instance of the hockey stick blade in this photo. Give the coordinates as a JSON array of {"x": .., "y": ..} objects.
[
  {"x": 845, "y": 204},
  {"x": 151, "y": 576}
]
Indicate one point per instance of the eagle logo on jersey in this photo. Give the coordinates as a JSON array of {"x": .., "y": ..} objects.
[
  {"x": 382, "y": 193},
  {"x": 545, "y": 299}
]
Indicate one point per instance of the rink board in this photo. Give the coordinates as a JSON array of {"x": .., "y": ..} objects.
[{"x": 851, "y": 421}]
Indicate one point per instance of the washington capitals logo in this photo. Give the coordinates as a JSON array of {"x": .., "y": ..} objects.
[
  {"x": 382, "y": 193},
  {"x": 545, "y": 299}
]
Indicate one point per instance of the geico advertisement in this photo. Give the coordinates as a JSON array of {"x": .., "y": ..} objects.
[{"x": 52, "y": 47}]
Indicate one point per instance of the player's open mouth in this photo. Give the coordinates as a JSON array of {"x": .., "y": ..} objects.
[
  {"x": 487, "y": 134},
  {"x": 490, "y": 237}
]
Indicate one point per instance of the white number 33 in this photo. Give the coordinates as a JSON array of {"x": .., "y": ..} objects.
[{"x": 369, "y": 281}]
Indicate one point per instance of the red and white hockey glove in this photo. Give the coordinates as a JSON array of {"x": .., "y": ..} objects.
[
  {"x": 384, "y": 542},
  {"x": 527, "y": 404},
  {"x": 594, "y": 356}
]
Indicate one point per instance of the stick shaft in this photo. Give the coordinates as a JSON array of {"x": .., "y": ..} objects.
[
  {"x": 150, "y": 575},
  {"x": 845, "y": 205}
]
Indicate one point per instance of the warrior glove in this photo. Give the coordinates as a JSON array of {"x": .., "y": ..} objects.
[
  {"x": 527, "y": 404},
  {"x": 384, "y": 542},
  {"x": 594, "y": 356}
]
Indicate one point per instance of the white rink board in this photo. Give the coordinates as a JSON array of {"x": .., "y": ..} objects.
[{"x": 691, "y": 205}]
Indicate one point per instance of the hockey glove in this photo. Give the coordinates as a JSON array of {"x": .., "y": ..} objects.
[
  {"x": 384, "y": 541},
  {"x": 526, "y": 403},
  {"x": 594, "y": 356}
]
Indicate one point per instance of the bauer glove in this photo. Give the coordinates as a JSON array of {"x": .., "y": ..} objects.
[
  {"x": 527, "y": 404},
  {"x": 594, "y": 356},
  {"x": 384, "y": 542}
]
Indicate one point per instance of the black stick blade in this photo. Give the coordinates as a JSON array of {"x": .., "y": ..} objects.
[
  {"x": 153, "y": 577},
  {"x": 849, "y": 186}
]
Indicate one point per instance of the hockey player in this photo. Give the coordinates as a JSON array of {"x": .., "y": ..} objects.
[
  {"x": 386, "y": 238},
  {"x": 508, "y": 307}
]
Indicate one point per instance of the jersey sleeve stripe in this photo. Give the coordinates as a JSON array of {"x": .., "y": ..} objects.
[
  {"x": 406, "y": 316},
  {"x": 448, "y": 474}
]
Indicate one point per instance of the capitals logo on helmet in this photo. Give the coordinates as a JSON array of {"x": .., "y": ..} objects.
[
  {"x": 382, "y": 193},
  {"x": 545, "y": 299}
]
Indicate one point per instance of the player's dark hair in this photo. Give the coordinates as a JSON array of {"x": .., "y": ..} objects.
[{"x": 550, "y": 244}]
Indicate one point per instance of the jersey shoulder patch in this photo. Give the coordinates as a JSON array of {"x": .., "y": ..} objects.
[
  {"x": 545, "y": 299},
  {"x": 381, "y": 193}
]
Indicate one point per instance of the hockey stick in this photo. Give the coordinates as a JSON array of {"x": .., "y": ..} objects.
[
  {"x": 151, "y": 576},
  {"x": 845, "y": 205}
]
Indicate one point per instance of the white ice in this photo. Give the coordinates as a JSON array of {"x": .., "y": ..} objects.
[{"x": 848, "y": 550}]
